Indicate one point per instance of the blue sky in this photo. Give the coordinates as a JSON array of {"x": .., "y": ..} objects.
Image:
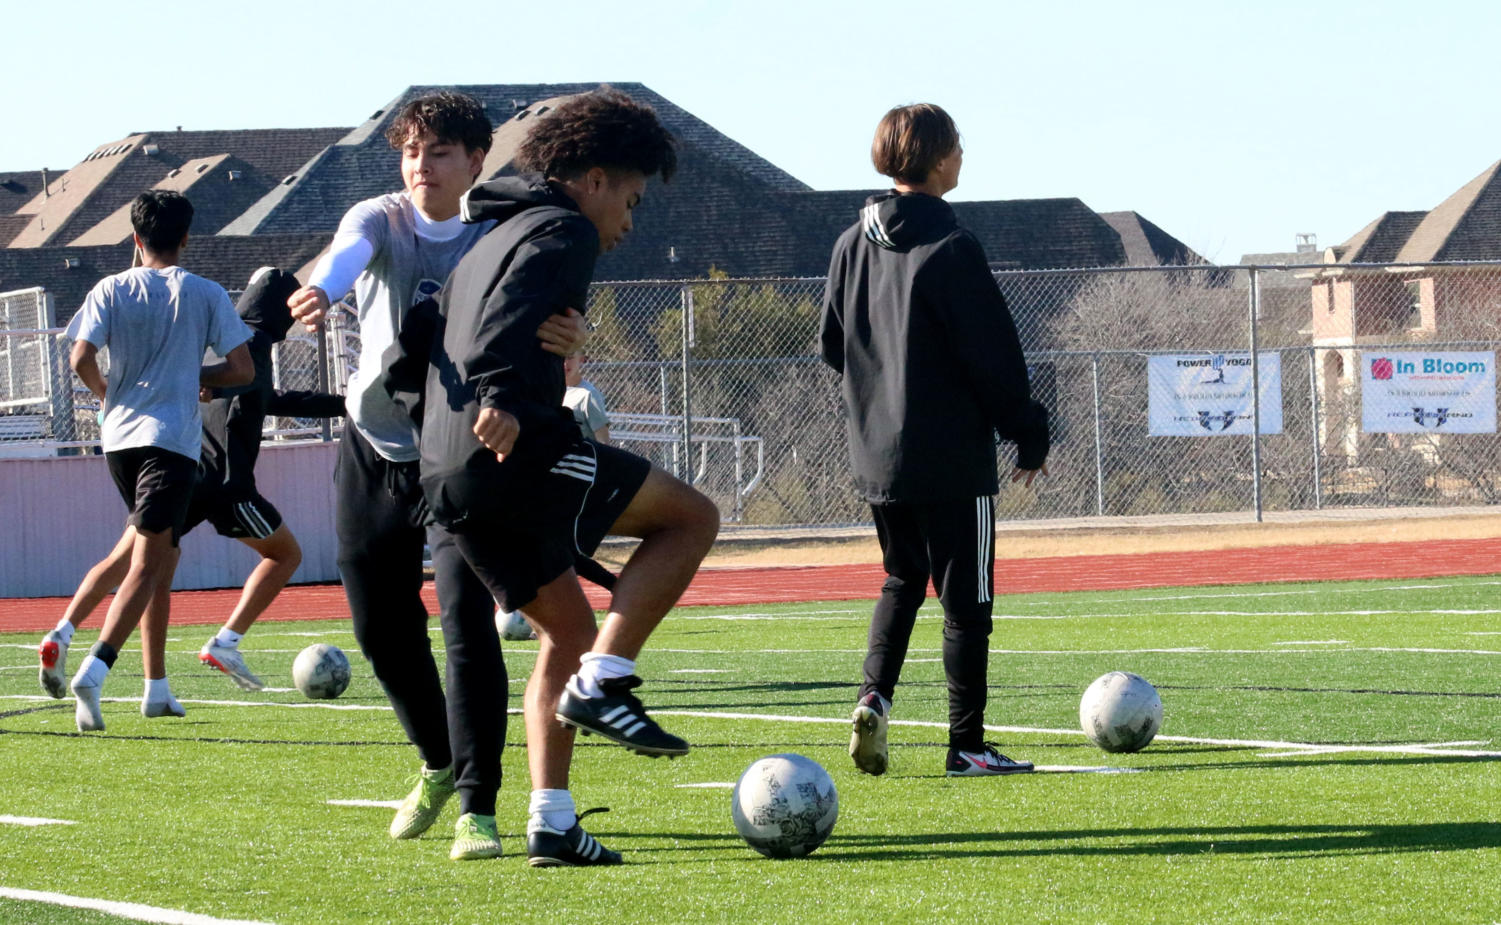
[{"x": 1233, "y": 126}]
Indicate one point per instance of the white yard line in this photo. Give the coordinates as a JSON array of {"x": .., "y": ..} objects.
[
  {"x": 707, "y": 785},
  {"x": 33, "y": 821},
  {"x": 134, "y": 911},
  {"x": 1296, "y": 747},
  {"x": 377, "y": 804}
]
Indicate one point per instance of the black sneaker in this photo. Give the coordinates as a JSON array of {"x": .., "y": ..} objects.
[
  {"x": 868, "y": 741},
  {"x": 619, "y": 717},
  {"x": 547, "y": 847},
  {"x": 987, "y": 762}
]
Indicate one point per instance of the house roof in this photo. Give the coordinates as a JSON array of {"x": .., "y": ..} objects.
[
  {"x": 1147, "y": 245},
  {"x": 1382, "y": 240},
  {"x": 362, "y": 165},
  {"x": 1466, "y": 226},
  {"x": 114, "y": 174},
  {"x": 225, "y": 260}
]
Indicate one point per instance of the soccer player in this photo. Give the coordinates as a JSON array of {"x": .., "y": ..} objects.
[
  {"x": 585, "y": 401},
  {"x": 932, "y": 370},
  {"x": 156, "y": 320},
  {"x": 517, "y": 492},
  {"x": 225, "y": 494},
  {"x": 395, "y": 251}
]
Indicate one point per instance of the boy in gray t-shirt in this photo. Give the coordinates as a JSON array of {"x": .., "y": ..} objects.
[{"x": 157, "y": 320}]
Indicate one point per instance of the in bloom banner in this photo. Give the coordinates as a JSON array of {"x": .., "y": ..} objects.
[
  {"x": 1209, "y": 394},
  {"x": 1425, "y": 393}
]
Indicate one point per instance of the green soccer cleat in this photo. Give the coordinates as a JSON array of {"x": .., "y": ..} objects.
[
  {"x": 474, "y": 838},
  {"x": 420, "y": 809}
]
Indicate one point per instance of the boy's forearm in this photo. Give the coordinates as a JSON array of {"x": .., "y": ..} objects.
[{"x": 86, "y": 367}]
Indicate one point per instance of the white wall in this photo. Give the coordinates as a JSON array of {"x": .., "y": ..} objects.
[{"x": 59, "y": 516}]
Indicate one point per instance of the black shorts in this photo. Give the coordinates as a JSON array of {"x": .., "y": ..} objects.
[
  {"x": 156, "y": 485},
  {"x": 520, "y": 534},
  {"x": 249, "y": 517}
]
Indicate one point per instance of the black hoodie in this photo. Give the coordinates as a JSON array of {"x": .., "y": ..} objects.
[
  {"x": 233, "y": 420},
  {"x": 537, "y": 262},
  {"x": 931, "y": 365}
]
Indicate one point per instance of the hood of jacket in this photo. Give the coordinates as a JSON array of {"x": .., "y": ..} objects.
[
  {"x": 263, "y": 304},
  {"x": 504, "y": 197},
  {"x": 898, "y": 221}
]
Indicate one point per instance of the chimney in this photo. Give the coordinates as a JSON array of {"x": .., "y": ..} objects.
[{"x": 46, "y": 193}]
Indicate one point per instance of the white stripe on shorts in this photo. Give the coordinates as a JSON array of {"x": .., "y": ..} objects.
[{"x": 252, "y": 520}]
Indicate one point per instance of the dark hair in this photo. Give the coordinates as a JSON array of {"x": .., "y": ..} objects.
[
  {"x": 161, "y": 218},
  {"x": 452, "y": 117},
  {"x": 601, "y": 128},
  {"x": 911, "y": 140}
]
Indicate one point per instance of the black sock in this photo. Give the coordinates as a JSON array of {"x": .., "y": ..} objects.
[{"x": 105, "y": 653}]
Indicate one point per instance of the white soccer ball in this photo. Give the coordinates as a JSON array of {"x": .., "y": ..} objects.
[
  {"x": 1121, "y": 712},
  {"x": 512, "y": 625},
  {"x": 784, "y": 806},
  {"x": 321, "y": 671}
]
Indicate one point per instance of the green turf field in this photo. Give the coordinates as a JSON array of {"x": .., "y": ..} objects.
[{"x": 1329, "y": 753}]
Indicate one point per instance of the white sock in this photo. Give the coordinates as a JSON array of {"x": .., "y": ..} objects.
[
  {"x": 157, "y": 690},
  {"x": 552, "y": 808},
  {"x": 226, "y": 638},
  {"x": 437, "y": 773},
  {"x": 595, "y": 667},
  {"x": 64, "y": 630},
  {"x": 91, "y": 672}
]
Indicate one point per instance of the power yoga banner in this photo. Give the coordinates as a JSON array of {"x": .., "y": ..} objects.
[
  {"x": 1426, "y": 393},
  {"x": 1209, "y": 394}
]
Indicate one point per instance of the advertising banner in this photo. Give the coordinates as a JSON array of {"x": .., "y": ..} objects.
[
  {"x": 1427, "y": 393},
  {"x": 1209, "y": 394}
]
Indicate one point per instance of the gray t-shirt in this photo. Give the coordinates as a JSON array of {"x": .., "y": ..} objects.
[
  {"x": 588, "y": 406},
  {"x": 404, "y": 269},
  {"x": 156, "y": 325}
]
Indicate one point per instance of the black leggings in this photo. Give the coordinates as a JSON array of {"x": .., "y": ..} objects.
[
  {"x": 379, "y": 512},
  {"x": 949, "y": 541}
]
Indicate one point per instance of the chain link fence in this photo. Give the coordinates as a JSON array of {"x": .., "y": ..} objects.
[{"x": 1158, "y": 381}]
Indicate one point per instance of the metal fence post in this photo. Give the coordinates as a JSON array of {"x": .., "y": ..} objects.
[
  {"x": 687, "y": 324},
  {"x": 1313, "y": 402},
  {"x": 1099, "y": 440},
  {"x": 1255, "y": 310},
  {"x": 325, "y": 426}
]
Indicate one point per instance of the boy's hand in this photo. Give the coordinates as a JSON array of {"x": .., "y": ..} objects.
[
  {"x": 1018, "y": 475},
  {"x": 309, "y": 305},
  {"x": 564, "y": 334},
  {"x": 497, "y": 430}
]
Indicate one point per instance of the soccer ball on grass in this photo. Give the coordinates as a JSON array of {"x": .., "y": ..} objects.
[
  {"x": 784, "y": 806},
  {"x": 1121, "y": 712},
  {"x": 321, "y": 671}
]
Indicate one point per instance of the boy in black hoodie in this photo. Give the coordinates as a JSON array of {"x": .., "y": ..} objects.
[
  {"x": 932, "y": 370},
  {"x": 517, "y": 492},
  {"x": 225, "y": 494}
]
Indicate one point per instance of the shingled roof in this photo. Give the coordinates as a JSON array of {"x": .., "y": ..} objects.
[
  {"x": 1466, "y": 226},
  {"x": 68, "y": 273},
  {"x": 115, "y": 173},
  {"x": 1147, "y": 245}
]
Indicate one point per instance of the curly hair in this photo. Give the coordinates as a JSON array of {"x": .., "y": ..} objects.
[
  {"x": 601, "y": 128},
  {"x": 456, "y": 118}
]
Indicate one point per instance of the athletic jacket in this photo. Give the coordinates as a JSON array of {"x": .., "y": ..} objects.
[
  {"x": 537, "y": 262},
  {"x": 931, "y": 365},
  {"x": 233, "y": 420}
]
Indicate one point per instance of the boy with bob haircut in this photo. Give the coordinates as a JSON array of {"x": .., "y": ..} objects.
[
  {"x": 517, "y": 491},
  {"x": 932, "y": 371},
  {"x": 156, "y": 319},
  {"x": 395, "y": 251}
]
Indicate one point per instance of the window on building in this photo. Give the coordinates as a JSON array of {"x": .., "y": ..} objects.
[{"x": 1414, "y": 304}]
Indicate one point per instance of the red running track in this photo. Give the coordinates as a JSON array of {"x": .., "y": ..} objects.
[{"x": 724, "y": 586}]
